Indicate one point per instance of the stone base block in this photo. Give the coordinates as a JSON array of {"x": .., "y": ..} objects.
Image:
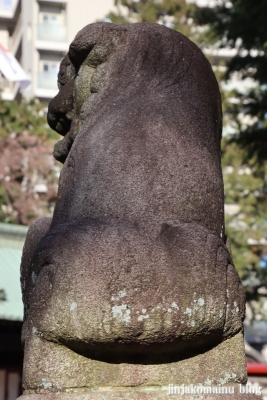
[
  {"x": 49, "y": 367},
  {"x": 152, "y": 394}
]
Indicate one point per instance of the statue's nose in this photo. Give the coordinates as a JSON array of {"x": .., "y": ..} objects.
[{"x": 59, "y": 123}]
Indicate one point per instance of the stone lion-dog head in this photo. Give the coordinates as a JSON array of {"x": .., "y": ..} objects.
[{"x": 139, "y": 109}]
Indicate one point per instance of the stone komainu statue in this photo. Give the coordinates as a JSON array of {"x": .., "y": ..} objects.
[{"x": 133, "y": 266}]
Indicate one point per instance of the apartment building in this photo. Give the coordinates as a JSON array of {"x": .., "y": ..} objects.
[{"x": 38, "y": 34}]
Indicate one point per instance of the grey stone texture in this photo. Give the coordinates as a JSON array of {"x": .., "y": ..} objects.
[
  {"x": 146, "y": 107},
  {"x": 51, "y": 367},
  {"x": 152, "y": 394},
  {"x": 131, "y": 285}
]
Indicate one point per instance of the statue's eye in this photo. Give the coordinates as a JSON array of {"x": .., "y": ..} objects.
[
  {"x": 66, "y": 72},
  {"x": 61, "y": 79},
  {"x": 60, "y": 84}
]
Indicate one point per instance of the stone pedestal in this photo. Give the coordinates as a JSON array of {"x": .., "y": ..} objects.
[
  {"x": 49, "y": 367},
  {"x": 148, "y": 394}
]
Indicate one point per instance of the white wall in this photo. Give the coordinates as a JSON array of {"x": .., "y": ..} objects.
[{"x": 81, "y": 13}]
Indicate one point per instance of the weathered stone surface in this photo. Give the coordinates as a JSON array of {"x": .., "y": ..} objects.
[
  {"x": 36, "y": 232},
  {"x": 112, "y": 293},
  {"x": 131, "y": 284},
  {"x": 51, "y": 367},
  {"x": 147, "y": 121},
  {"x": 137, "y": 395}
]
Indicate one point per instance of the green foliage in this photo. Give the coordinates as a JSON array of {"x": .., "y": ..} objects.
[
  {"x": 245, "y": 185},
  {"x": 26, "y": 162},
  {"x": 241, "y": 24},
  {"x": 176, "y": 14},
  {"x": 25, "y": 116}
]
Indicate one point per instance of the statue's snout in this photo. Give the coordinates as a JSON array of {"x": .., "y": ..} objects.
[{"x": 61, "y": 109}]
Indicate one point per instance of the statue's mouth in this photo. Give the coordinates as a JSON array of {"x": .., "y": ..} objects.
[
  {"x": 61, "y": 124},
  {"x": 60, "y": 119}
]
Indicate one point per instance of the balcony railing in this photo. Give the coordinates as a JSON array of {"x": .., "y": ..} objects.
[
  {"x": 52, "y": 33},
  {"x": 47, "y": 80}
]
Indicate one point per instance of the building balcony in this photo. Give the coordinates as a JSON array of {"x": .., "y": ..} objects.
[
  {"x": 52, "y": 33},
  {"x": 47, "y": 80},
  {"x": 51, "y": 37},
  {"x": 46, "y": 87}
]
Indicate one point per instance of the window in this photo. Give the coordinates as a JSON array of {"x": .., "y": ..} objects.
[
  {"x": 54, "y": 68},
  {"x": 53, "y": 19},
  {"x": 50, "y": 19},
  {"x": 49, "y": 67}
]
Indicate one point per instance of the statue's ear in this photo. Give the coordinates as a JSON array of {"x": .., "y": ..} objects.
[
  {"x": 78, "y": 54},
  {"x": 95, "y": 42},
  {"x": 83, "y": 43}
]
